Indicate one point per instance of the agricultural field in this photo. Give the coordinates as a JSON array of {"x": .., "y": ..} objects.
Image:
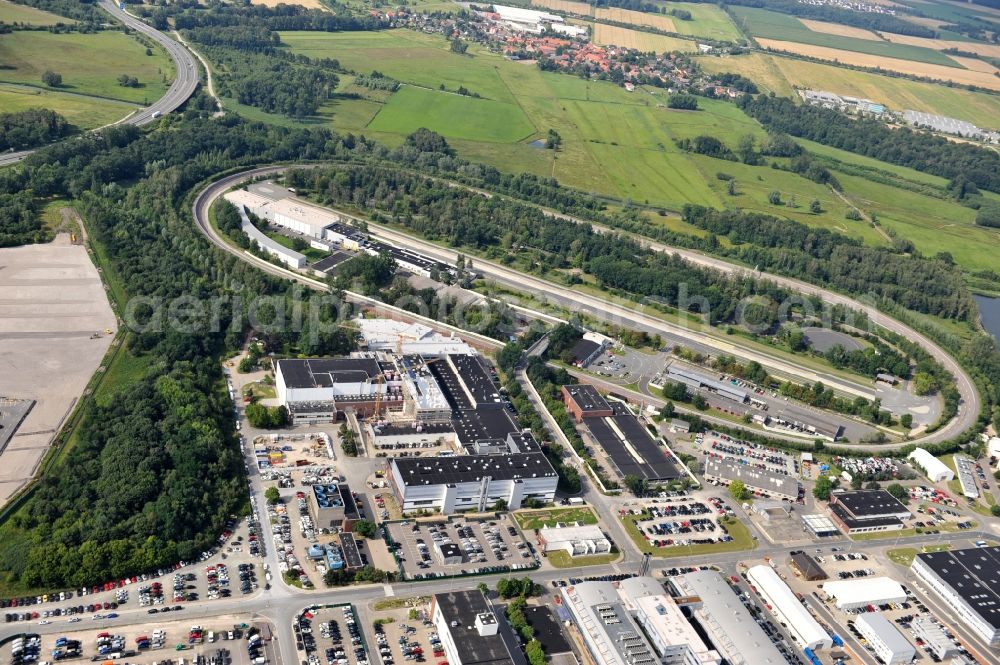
[
  {"x": 767, "y": 25},
  {"x": 81, "y": 111},
  {"x": 956, "y": 73},
  {"x": 452, "y": 114},
  {"x": 308, "y": 4},
  {"x": 613, "y": 35},
  {"x": 783, "y": 75},
  {"x": 623, "y": 145},
  {"x": 708, "y": 21},
  {"x": 658, "y": 21},
  {"x": 567, "y": 6},
  {"x": 837, "y": 29},
  {"x": 14, "y": 13},
  {"x": 988, "y": 50},
  {"x": 90, "y": 64}
]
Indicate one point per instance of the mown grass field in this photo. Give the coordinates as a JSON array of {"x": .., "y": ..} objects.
[
  {"x": 772, "y": 25},
  {"x": 449, "y": 113},
  {"x": 783, "y": 75},
  {"x": 14, "y": 13},
  {"x": 623, "y": 145},
  {"x": 82, "y": 112},
  {"x": 707, "y": 21},
  {"x": 536, "y": 519},
  {"x": 90, "y": 64}
]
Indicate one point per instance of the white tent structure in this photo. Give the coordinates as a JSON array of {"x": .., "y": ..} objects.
[
  {"x": 853, "y": 593},
  {"x": 788, "y": 609},
  {"x": 935, "y": 469}
]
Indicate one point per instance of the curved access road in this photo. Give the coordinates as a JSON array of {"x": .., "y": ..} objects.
[
  {"x": 184, "y": 84},
  {"x": 968, "y": 410}
]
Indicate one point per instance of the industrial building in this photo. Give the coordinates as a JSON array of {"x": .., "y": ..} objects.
[
  {"x": 332, "y": 506},
  {"x": 789, "y": 610},
  {"x": 634, "y": 623},
  {"x": 288, "y": 256},
  {"x": 575, "y": 540},
  {"x": 808, "y": 567},
  {"x": 728, "y": 623},
  {"x": 759, "y": 481},
  {"x": 471, "y": 632},
  {"x": 820, "y": 525},
  {"x": 588, "y": 348},
  {"x": 933, "y": 468},
  {"x": 934, "y": 637},
  {"x": 535, "y": 22},
  {"x": 867, "y": 511},
  {"x": 471, "y": 482},
  {"x": 698, "y": 381},
  {"x": 861, "y": 592},
  {"x": 407, "y": 338},
  {"x": 968, "y": 581},
  {"x": 884, "y": 639},
  {"x": 966, "y": 476},
  {"x": 630, "y": 447},
  {"x": 584, "y": 401}
]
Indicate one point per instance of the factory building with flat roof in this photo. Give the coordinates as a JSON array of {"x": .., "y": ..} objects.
[
  {"x": 891, "y": 647},
  {"x": 584, "y": 401},
  {"x": 788, "y": 609},
  {"x": 698, "y": 381},
  {"x": 867, "y": 511},
  {"x": 968, "y": 581},
  {"x": 759, "y": 481},
  {"x": 635, "y": 622},
  {"x": 471, "y": 632},
  {"x": 734, "y": 632},
  {"x": 574, "y": 540}
]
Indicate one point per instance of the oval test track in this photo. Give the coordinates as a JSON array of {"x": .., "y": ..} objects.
[{"x": 968, "y": 408}]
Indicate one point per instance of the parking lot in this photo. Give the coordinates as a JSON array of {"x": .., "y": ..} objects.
[
  {"x": 222, "y": 638},
  {"x": 460, "y": 546},
  {"x": 331, "y": 636},
  {"x": 754, "y": 455},
  {"x": 405, "y": 635},
  {"x": 683, "y": 523}
]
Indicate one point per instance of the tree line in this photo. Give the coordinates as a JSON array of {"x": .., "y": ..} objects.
[{"x": 872, "y": 138}]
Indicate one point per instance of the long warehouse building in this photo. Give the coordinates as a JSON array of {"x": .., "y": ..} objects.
[
  {"x": 803, "y": 628},
  {"x": 967, "y": 581},
  {"x": 725, "y": 619}
]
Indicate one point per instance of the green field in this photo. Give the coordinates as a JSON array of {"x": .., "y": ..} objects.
[
  {"x": 454, "y": 115},
  {"x": 707, "y": 21},
  {"x": 772, "y": 25},
  {"x": 82, "y": 112},
  {"x": 89, "y": 63},
  {"x": 561, "y": 559},
  {"x": 535, "y": 519},
  {"x": 782, "y": 75},
  {"x": 623, "y": 145},
  {"x": 14, "y": 13}
]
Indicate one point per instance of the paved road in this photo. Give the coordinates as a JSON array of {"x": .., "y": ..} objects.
[
  {"x": 607, "y": 309},
  {"x": 185, "y": 80}
]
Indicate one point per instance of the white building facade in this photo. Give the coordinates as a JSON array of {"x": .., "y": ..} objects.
[{"x": 788, "y": 609}]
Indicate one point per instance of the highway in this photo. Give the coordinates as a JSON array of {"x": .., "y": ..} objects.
[
  {"x": 611, "y": 310},
  {"x": 184, "y": 84}
]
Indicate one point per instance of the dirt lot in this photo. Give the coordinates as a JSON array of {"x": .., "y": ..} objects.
[
  {"x": 420, "y": 558},
  {"x": 893, "y": 64},
  {"x": 52, "y": 304}
]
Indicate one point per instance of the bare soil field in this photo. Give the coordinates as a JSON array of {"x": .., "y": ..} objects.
[
  {"x": 938, "y": 72},
  {"x": 635, "y": 18},
  {"x": 989, "y": 50},
  {"x": 642, "y": 41},
  {"x": 52, "y": 304},
  {"x": 926, "y": 21},
  {"x": 837, "y": 29},
  {"x": 975, "y": 64},
  {"x": 568, "y": 6}
]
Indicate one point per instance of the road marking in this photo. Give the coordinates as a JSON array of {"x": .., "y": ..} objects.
[{"x": 388, "y": 590}]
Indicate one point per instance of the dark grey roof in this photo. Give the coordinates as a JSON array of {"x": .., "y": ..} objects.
[
  {"x": 350, "y": 505},
  {"x": 481, "y": 424},
  {"x": 973, "y": 574},
  {"x": 655, "y": 466},
  {"x": 450, "y": 385},
  {"x": 854, "y": 523},
  {"x": 584, "y": 349},
  {"x": 325, "y": 372},
  {"x": 587, "y": 398},
  {"x": 328, "y": 263},
  {"x": 477, "y": 379},
  {"x": 391, "y": 429},
  {"x": 864, "y": 504},
  {"x": 349, "y": 546},
  {"x": 808, "y": 566},
  {"x": 473, "y": 648},
  {"x": 547, "y": 629},
  {"x": 472, "y": 468},
  {"x": 449, "y": 550}
]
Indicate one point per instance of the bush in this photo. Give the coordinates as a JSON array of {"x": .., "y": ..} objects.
[
  {"x": 51, "y": 78},
  {"x": 988, "y": 215}
]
